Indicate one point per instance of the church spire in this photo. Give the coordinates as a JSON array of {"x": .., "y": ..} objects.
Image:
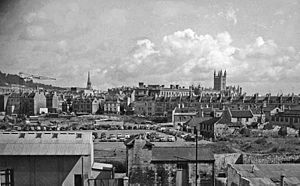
[{"x": 89, "y": 84}]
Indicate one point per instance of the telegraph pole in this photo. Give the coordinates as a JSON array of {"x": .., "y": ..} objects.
[{"x": 195, "y": 130}]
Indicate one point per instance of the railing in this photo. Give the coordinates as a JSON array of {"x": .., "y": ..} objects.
[{"x": 106, "y": 182}]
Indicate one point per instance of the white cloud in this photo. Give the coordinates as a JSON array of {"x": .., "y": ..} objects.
[
  {"x": 229, "y": 15},
  {"x": 187, "y": 57},
  {"x": 144, "y": 49}
]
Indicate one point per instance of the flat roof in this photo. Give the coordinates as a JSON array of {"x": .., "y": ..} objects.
[{"x": 46, "y": 143}]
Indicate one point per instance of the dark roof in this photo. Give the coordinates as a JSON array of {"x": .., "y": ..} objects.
[
  {"x": 196, "y": 121},
  {"x": 185, "y": 110},
  {"x": 175, "y": 154},
  {"x": 211, "y": 121},
  {"x": 241, "y": 114}
]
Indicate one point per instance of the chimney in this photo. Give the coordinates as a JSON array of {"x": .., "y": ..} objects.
[
  {"x": 171, "y": 86},
  {"x": 282, "y": 180},
  {"x": 177, "y": 86},
  {"x": 141, "y": 84}
]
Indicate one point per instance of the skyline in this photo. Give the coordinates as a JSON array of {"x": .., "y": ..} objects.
[{"x": 156, "y": 42}]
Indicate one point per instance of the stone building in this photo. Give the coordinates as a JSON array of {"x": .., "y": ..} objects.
[{"x": 151, "y": 165}]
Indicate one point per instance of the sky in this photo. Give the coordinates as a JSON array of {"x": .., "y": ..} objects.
[{"x": 154, "y": 41}]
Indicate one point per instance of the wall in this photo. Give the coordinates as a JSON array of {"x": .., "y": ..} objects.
[
  {"x": 233, "y": 178},
  {"x": 46, "y": 170},
  {"x": 269, "y": 158}
]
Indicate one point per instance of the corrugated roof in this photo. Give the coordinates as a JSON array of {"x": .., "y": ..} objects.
[
  {"x": 181, "y": 154},
  {"x": 46, "y": 144},
  {"x": 265, "y": 173}
]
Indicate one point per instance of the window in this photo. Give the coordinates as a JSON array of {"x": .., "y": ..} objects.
[
  {"x": 7, "y": 177},
  {"x": 286, "y": 119}
]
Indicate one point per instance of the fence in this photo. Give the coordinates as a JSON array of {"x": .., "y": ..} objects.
[{"x": 106, "y": 182}]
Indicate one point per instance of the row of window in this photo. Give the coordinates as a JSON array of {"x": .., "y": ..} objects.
[{"x": 286, "y": 119}]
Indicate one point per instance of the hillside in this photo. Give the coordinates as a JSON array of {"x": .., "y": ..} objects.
[{"x": 10, "y": 79}]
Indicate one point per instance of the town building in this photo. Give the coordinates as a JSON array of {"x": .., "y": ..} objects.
[
  {"x": 181, "y": 115},
  {"x": 112, "y": 104},
  {"x": 150, "y": 165},
  {"x": 13, "y": 105},
  {"x": 287, "y": 118},
  {"x": 174, "y": 91},
  {"x": 145, "y": 106},
  {"x": 3, "y": 102},
  {"x": 45, "y": 158},
  {"x": 243, "y": 117},
  {"x": 52, "y": 102},
  {"x": 82, "y": 105}
]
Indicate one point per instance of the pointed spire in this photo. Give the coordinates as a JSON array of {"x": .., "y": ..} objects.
[{"x": 89, "y": 84}]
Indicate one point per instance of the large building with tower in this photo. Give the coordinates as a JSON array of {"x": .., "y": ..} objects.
[{"x": 220, "y": 80}]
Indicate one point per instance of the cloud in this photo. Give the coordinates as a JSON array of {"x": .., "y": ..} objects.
[
  {"x": 143, "y": 50},
  {"x": 187, "y": 57},
  {"x": 229, "y": 15},
  {"x": 183, "y": 55}
]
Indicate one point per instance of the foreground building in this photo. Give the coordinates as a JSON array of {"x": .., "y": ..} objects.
[
  {"x": 31, "y": 159},
  {"x": 152, "y": 165},
  {"x": 263, "y": 174}
]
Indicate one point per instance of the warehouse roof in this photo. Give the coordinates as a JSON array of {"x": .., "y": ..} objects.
[
  {"x": 269, "y": 174},
  {"x": 46, "y": 143}
]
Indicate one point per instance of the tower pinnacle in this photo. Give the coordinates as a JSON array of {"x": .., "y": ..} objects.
[{"x": 89, "y": 84}]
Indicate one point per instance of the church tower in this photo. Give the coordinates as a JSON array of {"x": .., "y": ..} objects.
[
  {"x": 89, "y": 84},
  {"x": 220, "y": 80}
]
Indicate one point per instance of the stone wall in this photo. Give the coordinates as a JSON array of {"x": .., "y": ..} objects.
[{"x": 269, "y": 158}]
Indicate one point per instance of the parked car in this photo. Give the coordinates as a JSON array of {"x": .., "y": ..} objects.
[
  {"x": 119, "y": 135},
  {"x": 171, "y": 138},
  {"x": 163, "y": 139},
  {"x": 112, "y": 138},
  {"x": 127, "y": 136}
]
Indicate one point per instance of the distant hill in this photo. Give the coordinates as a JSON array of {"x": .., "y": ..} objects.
[{"x": 9, "y": 79}]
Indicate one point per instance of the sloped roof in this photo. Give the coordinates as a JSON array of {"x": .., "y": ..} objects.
[
  {"x": 45, "y": 143},
  {"x": 196, "y": 121},
  {"x": 241, "y": 113},
  {"x": 266, "y": 173},
  {"x": 211, "y": 121},
  {"x": 174, "y": 154}
]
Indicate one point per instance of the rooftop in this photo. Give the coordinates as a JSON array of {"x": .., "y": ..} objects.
[
  {"x": 241, "y": 113},
  {"x": 46, "y": 143},
  {"x": 268, "y": 174}
]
